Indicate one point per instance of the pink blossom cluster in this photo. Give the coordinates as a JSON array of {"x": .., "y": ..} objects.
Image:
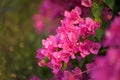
[
  {"x": 113, "y": 34},
  {"x": 108, "y": 67},
  {"x": 75, "y": 74},
  {"x": 53, "y": 8},
  {"x": 51, "y": 11},
  {"x": 71, "y": 39}
]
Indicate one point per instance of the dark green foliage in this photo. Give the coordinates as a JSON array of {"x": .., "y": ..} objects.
[{"x": 109, "y": 3}]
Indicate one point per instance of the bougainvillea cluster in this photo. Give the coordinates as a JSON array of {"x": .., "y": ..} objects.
[
  {"x": 81, "y": 36},
  {"x": 51, "y": 11},
  {"x": 108, "y": 67},
  {"x": 70, "y": 39}
]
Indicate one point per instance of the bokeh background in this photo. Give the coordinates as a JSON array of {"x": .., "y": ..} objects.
[{"x": 19, "y": 41}]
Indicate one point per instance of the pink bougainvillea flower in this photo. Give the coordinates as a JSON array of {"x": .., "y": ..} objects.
[
  {"x": 34, "y": 78},
  {"x": 95, "y": 47},
  {"x": 88, "y": 47},
  {"x": 88, "y": 27},
  {"x": 76, "y": 74},
  {"x": 112, "y": 37},
  {"x": 73, "y": 16},
  {"x": 86, "y": 3},
  {"x": 68, "y": 76},
  {"x": 38, "y": 23},
  {"x": 107, "y": 67},
  {"x": 107, "y": 14},
  {"x": 50, "y": 42}
]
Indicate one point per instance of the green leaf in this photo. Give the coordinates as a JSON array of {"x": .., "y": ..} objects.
[
  {"x": 96, "y": 11},
  {"x": 109, "y": 3},
  {"x": 90, "y": 58},
  {"x": 103, "y": 51},
  {"x": 64, "y": 65},
  {"x": 99, "y": 34},
  {"x": 82, "y": 62},
  {"x": 46, "y": 59}
]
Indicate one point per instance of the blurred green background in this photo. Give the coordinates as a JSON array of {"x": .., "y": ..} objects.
[{"x": 19, "y": 41}]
